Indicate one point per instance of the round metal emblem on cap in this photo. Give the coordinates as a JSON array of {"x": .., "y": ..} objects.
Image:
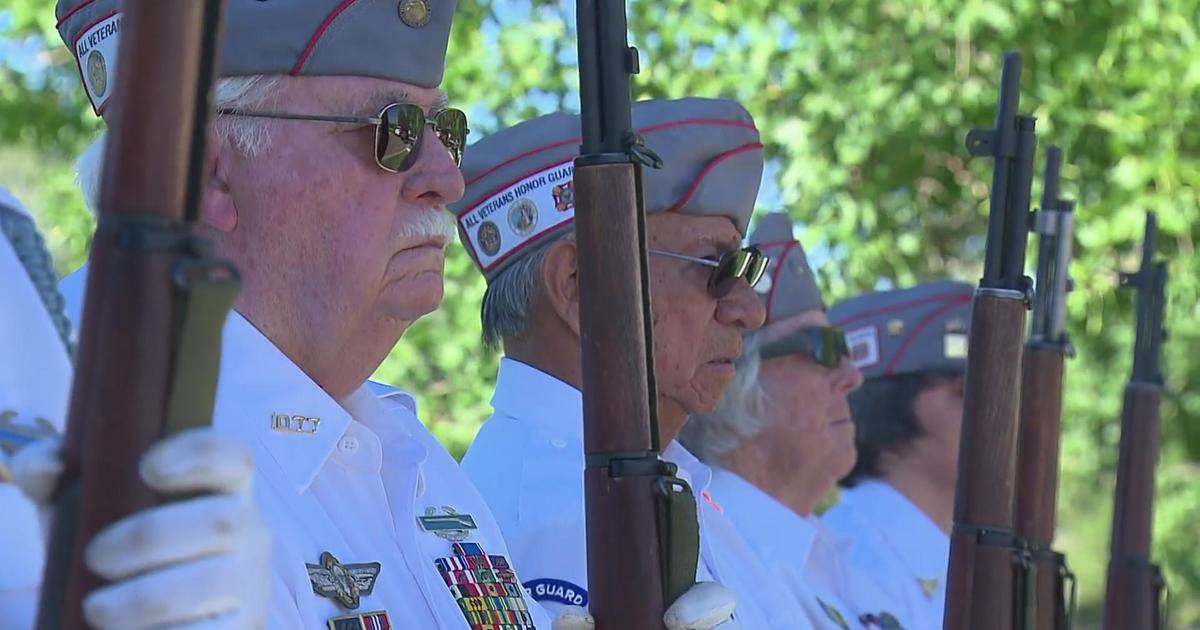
[
  {"x": 489, "y": 238},
  {"x": 97, "y": 71},
  {"x": 415, "y": 13},
  {"x": 522, "y": 216}
]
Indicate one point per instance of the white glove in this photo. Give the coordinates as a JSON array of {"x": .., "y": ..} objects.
[
  {"x": 196, "y": 564},
  {"x": 705, "y": 606}
]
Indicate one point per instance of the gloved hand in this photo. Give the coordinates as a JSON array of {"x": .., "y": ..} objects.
[
  {"x": 196, "y": 564},
  {"x": 705, "y": 606}
]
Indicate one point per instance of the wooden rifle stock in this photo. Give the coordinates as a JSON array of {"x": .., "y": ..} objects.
[
  {"x": 1135, "y": 585},
  {"x": 137, "y": 289},
  {"x": 630, "y": 494},
  {"x": 983, "y": 547},
  {"x": 1045, "y": 604}
]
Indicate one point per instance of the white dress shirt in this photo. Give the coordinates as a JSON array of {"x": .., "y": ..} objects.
[
  {"x": 360, "y": 479},
  {"x": 528, "y": 462},
  {"x": 891, "y": 536},
  {"x": 35, "y": 382},
  {"x": 808, "y": 558}
]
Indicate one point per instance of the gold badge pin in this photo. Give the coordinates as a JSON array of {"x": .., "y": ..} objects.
[
  {"x": 97, "y": 70},
  {"x": 956, "y": 325},
  {"x": 929, "y": 586},
  {"x": 415, "y": 13},
  {"x": 346, "y": 583},
  {"x": 895, "y": 327}
]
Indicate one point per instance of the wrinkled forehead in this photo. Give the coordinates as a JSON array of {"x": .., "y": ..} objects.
[
  {"x": 673, "y": 229},
  {"x": 784, "y": 327}
]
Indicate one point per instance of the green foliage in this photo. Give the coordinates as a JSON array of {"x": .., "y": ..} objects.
[{"x": 863, "y": 105}]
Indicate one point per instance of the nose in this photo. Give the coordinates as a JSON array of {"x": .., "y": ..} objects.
[
  {"x": 741, "y": 308},
  {"x": 434, "y": 179}
]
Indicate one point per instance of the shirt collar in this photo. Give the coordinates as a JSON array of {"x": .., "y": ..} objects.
[
  {"x": 769, "y": 525},
  {"x": 691, "y": 469},
  {"x": 533, "y": 396},
  {"x": 923, "y": 547},
  {"x": 259, "y": 384}
]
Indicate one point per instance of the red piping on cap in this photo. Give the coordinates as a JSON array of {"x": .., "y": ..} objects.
[
  {"x": 687, "y": 196},
  {"x": 66, "y": 16},
  {"x": 952, "y": 302},
  {"x": 475, "y": 204},
  {"x": 765, "y": 244},
  {"x": 775, "y": 278},
  {"x": 312, "y": 42},
  {"x": 718, "y": 122},
  {"x": 958, "y": 297}
]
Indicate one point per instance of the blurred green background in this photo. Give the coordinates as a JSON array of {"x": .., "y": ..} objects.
[{"x": 863, "y": 105}]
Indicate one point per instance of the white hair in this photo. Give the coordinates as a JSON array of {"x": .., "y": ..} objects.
[
  {"x": 740, "y": 414},
  {"x": 509, "y": 294},
  {"x": 249, "y": 135}
]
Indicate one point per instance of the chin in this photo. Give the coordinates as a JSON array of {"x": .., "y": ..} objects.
[{"x": 412, "y": 300}]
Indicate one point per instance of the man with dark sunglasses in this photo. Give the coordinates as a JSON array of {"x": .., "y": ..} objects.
[
  {"x": 897, "y": 504},
  {"x": 332, "y": 159},
  {"x": 528, "y": 458},
  {"x": 782, "y": 436}
]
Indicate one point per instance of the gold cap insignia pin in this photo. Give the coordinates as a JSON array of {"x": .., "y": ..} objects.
[{"x": 415, "y": 13}]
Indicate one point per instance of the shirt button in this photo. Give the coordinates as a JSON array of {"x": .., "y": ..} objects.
[
  {"x": 558, "y": 443},
  {"x": 348, "y": 444}
]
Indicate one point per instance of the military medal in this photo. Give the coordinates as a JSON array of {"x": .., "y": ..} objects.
[
  {"x": 344, "y": 582},
  {"x": 375, "y": 620},
  {"x": 485, "y": 588},
  {"x": 928, "y": 586},
  {"x": 449, "y": 524}
]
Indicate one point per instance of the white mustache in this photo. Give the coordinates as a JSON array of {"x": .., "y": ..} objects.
[{"x": 430, "y": 224}]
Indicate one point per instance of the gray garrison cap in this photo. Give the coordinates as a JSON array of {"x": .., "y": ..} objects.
[
  {"x": 520, "y": 187},
  {"x": 920, "y": 329},
  {"x": 788, "y": 287},
  {"x": 402, "y": 40}
]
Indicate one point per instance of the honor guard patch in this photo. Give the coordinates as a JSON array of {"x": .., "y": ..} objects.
[
  {"x": 96, "y": 53},
  {"x": 486, "y": 590},
  {"x": 376, "y": 620},
  {"x": 447, "y": 524},
  {"x": 558, "y": 591},
  {"x": 883, "y": 621},
  {"x": 834, "y": 614},
  {"x": 345, "y": 583},
  {"x": 864, "y": 346}
]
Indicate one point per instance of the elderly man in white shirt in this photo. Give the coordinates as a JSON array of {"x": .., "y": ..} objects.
[
  {"x": 897, "y": 504},
  {"x": 516, "y": 220},
  {"x": 333, "y": 158},
  {"x": 782, "y": 437}
]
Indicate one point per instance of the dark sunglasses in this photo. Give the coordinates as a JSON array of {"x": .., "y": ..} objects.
[
  {"x": 824, "y": 344},
  {"x": 747, "y": 262},
  {"x": 399, "y": 128}
]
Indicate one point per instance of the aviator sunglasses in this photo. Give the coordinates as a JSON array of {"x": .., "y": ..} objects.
[
  {"x": 399, "y": 128},
  {"x": 824, "y": 344},
  {"x": 747, "y": 262}
]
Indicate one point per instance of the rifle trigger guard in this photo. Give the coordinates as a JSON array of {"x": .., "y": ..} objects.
[{"x": 636, "y": 147}]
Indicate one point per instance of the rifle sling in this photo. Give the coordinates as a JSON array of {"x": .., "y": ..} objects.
[
  {"x": 205, "y": 289},
  {"x": 678, "y": 523}
]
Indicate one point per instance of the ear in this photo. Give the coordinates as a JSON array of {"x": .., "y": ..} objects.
[
  {"x": 560, "y": 282},
  {"x": 217, "y": 208}
]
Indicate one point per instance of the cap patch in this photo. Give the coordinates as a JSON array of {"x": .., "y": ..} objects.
[
  {"x": 529, "y": 208},
  {"x": 954, "y": 345},
  {"x": 95, "y": 49},
  {"x": 864, "y": 346}
]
